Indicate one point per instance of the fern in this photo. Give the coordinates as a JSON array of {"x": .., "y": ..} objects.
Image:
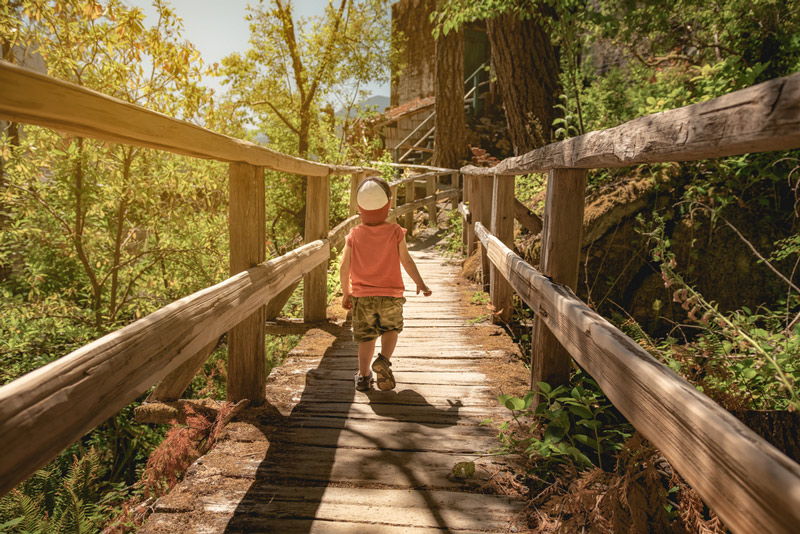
[{"x": 46, "y": 503}]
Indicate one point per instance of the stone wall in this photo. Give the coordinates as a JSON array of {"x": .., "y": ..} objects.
[{"x": 416, "y": 80}]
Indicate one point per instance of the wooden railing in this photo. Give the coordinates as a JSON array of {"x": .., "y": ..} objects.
[
  {"x": 43, "y": 412},
  {"x": 750, "y": 484}
]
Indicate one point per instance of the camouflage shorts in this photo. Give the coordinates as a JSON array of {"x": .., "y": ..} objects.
[{"x": 372, "y": 316}]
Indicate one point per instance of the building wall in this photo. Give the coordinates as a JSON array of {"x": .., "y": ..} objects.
[{"x": 416, "y": 80}]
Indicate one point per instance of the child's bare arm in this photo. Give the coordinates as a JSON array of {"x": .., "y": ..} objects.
[
  {"x": 344, "y": 278},
  {"x": 411, "y": 268}
]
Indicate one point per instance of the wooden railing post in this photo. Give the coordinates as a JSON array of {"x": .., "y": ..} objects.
[
  {"x": 393, "y": 205},
  {"x": 247, "y": 226},
  {"x": 503, "y": 229},
  {"x": 561, "y": 248},
  {"x": 411, "y": 191},
  {"x": 430, "y": 189},
  {"x": 355, "y": 179},
  {"x": 485, "y": 191},
  {"x": 473, "y": 197},
  {"x": 315, "y": 283}
]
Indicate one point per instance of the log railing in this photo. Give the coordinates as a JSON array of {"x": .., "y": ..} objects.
[
  {"x": 44, "y": 411},
  {"x": 750, "y": 484}
]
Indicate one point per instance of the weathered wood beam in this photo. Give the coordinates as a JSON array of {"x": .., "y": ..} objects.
[
  {"x": 275, "y": 305},
  {"x": 422, "y": 202},
  {"x": 33, "y": 98},
  {"x": 174, "y": 384},
  {"x": 485, "y": 190},
  {"x": 473, "y": 195},
  {"x": 339, "y": 233},
  {"x": 315, "y": 283},
  {"x": 164, "y": 413},
  {"x": 748, "y": 482},
  {"x": 430, "y": 191},
  {"x": 527, "y": 218},
  {"x": 561, "y": 248},
  {"x": 411, "y": 193},
  {"x": 412, "y": 166},
  {"x": 500, "y": 291},
  {"x": 248, "y": 230},
  {"x": 760, "y": 118},
  {"x": 38, "y": 419}
]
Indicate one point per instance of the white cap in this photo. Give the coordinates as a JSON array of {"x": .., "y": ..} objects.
[{"x": 371, "y": 195}]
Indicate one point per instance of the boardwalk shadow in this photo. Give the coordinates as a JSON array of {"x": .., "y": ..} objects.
[{"x": 298, "y": 465}]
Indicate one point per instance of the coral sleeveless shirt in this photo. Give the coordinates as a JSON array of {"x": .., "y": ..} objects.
[{"x": 375, "y": 260}]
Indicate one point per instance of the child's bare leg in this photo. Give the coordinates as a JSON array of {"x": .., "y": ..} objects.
[
  {"x": 388, "y": 343},
  {"x": 365, "y": 351}
]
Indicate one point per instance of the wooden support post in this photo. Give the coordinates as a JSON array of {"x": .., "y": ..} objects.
[
  {"x": 393, "y": 205},
  {"x": 474, "y": 199},
  {"x": 355, "y": 180},
  {"x": 174, "y": 384},
  {"x": 503, "y": 229},
  {"x": 561, "y": 248},
  {"x": 411, "y": 191},
  {"x": 485, "y": 191},
  {"x": 430, "y": 189},
  {"x": 315, "y": 283},
  {"x": 248, "y": 234},
  {"x": 455, "y": 181},
  {"x": 465, "y": 225}
]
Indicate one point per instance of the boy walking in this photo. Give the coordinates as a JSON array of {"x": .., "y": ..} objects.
[{"x": 372, "y": 284}]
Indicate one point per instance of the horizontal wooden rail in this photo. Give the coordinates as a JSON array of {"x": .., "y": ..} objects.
[
  {"x": 46, "y": 410},
  {"x": 760, "y": 118},
  {"x": 748, "y": 482},
  {"x": 338, "y": 234},
  {"x": 412, "y": 166},
  {"x": 33, "y": 98}
]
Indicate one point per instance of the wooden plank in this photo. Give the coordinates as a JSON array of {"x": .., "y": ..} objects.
[
  {"x": 174, "y": 384},
  {"x": 350, "y": 466},
  {"x": 501, "y": 294},
  {"x": 761, "y": 118},
  {"x": 420, "y": 376},
  {"x": 248, "y": 234},
  {"x": 561, "y": 248},
  {"x": 161, "y": 523},
  {"x": 384, "y": 435},
  {"x": 748, "y": 482},
  {"x": 109, "y": 373},
  {"x": 378, "y": 508},
  {"x": 315, "y": 283},
  {"x": 33, "y": 98},
  {"x": 527, "y": 218},
  {"x": 452, "y": 414}
]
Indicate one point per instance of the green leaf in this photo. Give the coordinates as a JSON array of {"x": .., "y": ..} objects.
[
  {"x": 581, "y": 411},
  {"x": 515, "y": 403},
  {"x": 544, "y": 387}
]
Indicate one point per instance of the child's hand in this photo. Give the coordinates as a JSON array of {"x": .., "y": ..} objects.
[
  {"x": 347, "y": 304},
  {"x": 425, "y": 290}
]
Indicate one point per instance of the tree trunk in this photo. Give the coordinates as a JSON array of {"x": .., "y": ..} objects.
[
  {"x": 450, "y": 133},
  {"x": 527, "y": 69}
]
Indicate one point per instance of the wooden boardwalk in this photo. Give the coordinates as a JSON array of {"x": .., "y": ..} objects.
[{"x": 321, "y": 457}]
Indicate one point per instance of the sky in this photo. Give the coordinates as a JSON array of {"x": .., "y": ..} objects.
[{"x": 217, "y": 28}]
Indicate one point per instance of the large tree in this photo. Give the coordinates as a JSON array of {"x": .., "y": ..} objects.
[
  {"x": 450, "y": 133},
  {"x": 523, "y": 57}
]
